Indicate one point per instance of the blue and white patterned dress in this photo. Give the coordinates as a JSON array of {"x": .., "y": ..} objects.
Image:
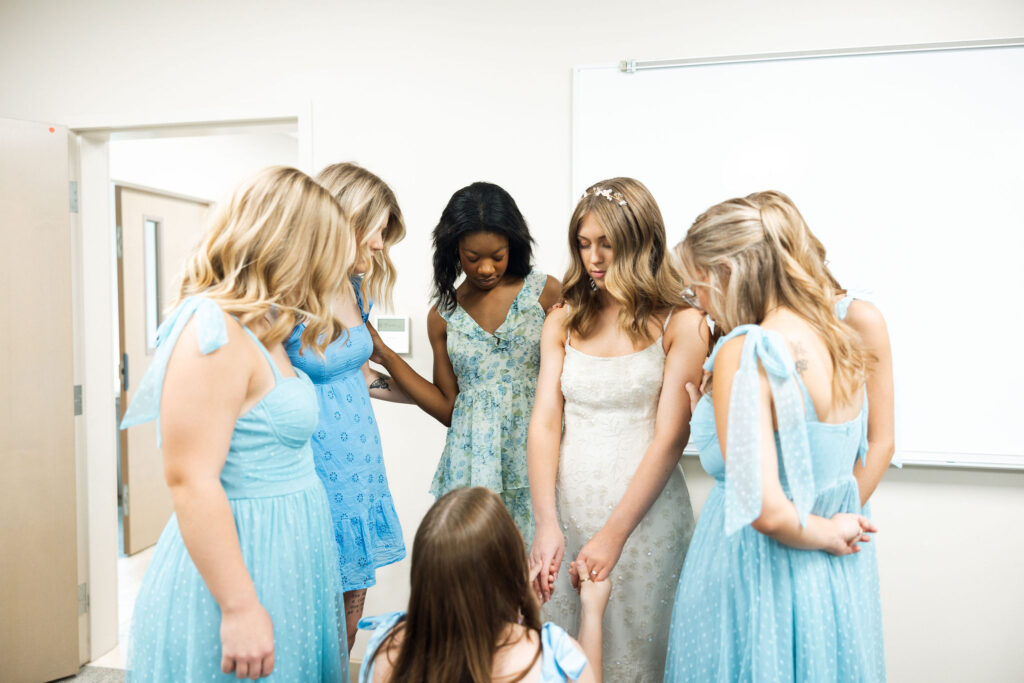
[
  {"x": 348, "y": 455},
  {"x": 284, "y": 530},
  {"x": 497, "y": 373},
  {"x": 560, "y": 659},
  {"x": 749, "y": 608}
]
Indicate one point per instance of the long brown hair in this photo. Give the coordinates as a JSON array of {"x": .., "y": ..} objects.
[
  {"x": 642, "y": 276},
  {"x": 756, "y": 253},
  {"x": 277, "y": 244},
  {"x": 368, "y": 202},
  {"x": 470, "y": 581}
]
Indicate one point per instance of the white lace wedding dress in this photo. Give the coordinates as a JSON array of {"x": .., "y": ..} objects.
[{"x": 610, "y": 406}]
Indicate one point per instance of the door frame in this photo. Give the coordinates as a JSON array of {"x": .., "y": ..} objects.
[{"x": 96, "y": 456}]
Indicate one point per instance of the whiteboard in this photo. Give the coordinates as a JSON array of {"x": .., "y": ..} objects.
[{"x": 909, "y": 166}]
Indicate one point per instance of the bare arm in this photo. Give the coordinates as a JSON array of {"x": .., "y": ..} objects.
[
  {"x": 686, "y": 344},
  {"x": 436, "y": 398},
  {"x": 870, "y": 325},
  {"x": 542, "y": 444},
  {"x": 838, "y": 535},
  {"x": 382, "y": 386},
  {"x": 203, "y": 395}
]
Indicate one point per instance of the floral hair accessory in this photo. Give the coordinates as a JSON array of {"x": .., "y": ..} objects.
[{"x": 607, "y": 193}]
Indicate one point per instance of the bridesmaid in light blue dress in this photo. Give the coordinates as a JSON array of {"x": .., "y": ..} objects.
[
  {"x": 768, "y": 590},
  {"x": 244, "y": 580}
]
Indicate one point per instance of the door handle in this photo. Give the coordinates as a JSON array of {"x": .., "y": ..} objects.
[{"x": 124, "y": 372}]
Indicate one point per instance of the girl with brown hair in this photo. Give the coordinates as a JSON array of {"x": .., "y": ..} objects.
[
  {"x": 608, "y": 488},
  {"x": 473, "y": 614}
]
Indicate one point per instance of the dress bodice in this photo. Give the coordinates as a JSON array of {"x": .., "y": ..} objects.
[
  {"x": 509, "y": 356},
  {"x": 341, "y": 358},
  {"x": 269, "y": 453}
]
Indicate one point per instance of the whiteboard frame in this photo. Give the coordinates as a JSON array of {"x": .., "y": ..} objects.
[{"x": 628, "y": 66}]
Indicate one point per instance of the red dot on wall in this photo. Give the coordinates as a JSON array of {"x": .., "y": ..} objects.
[{"x": 52, "y": 130}]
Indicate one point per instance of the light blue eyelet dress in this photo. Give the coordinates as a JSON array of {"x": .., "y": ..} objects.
[
  {"x": 348, "y": 454},
  {"x": 560, "y": 659},
  {"x": 284, "y": 529},
  {"x": 749, "y": 608},
  {"x": 497, "y": 373}
]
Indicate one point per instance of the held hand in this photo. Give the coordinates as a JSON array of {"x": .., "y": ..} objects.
[
  {"x": 599, "y": 554},
  {"x": 546, "y": 555},
  {"x": 379, "y": 347},
  {"x": 850, "y": 531},
  {"x": 247, "y": 642},
  {"x": 593, "y": 594}
]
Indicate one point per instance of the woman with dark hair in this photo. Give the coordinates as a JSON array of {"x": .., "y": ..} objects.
[
  {"x": 485, "y": 334},
  {"x": 473, "y": 615}
]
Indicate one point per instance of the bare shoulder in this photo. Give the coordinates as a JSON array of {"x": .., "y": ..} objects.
[
  {"x": 865, "y": 317},
  {"x": 554, "y": 324},
  {"x": 230, "y": 357},
  {"x": 551, "y": 294},
  {"x": 385, "y": 657},
  {"x": 727, "y": 361},
  {"x": 436, "y": 325},
  {"x": 687, "y": 323}
]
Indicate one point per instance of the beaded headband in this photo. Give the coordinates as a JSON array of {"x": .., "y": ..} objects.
[{"x": 607, "y": 193}]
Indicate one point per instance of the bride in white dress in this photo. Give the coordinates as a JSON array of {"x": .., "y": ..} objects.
[{"x": 607, "y": 488}]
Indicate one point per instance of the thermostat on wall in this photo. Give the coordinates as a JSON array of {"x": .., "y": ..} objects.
[{"x": 394, "y": 331}]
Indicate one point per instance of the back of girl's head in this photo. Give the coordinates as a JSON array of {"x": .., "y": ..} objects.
[
  {"x": 469, "y": 582},
  {"x": 278, "y": 243},
  {"x": 480, "y": 207},
  {"x": 368, "y": 203},
  {"x": 756, "y": 253},
  {"x": 642, "y": 276}
]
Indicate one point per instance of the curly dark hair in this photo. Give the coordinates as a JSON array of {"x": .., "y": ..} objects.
[{"x": 480, "y": 207}]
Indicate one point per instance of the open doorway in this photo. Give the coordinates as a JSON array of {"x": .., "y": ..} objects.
[{"x": 163, "y": 183}]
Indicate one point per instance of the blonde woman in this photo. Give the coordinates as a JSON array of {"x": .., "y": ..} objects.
[
  {"x": 766, "y": 593},
  {"x": 244, "y": 581},
  {"x": 346, "y": 443},
  {"x": 608, "y": 491}
]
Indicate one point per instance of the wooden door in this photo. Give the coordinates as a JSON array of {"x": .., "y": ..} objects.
[
  {"x": 157, "y": 232},
  {"x": 39, "y": 601}
]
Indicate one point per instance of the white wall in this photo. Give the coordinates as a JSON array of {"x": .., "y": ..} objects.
[
  {"x": 435, "y": 95},
  {"x": 201, "y": 166}
]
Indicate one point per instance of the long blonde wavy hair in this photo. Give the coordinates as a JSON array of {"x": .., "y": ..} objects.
[
  {"x": 368, "y": 202},
  {"x": 755, "y": 254},
  {"x": 275, "y": 247},
  {"x": 642, "y": 276}
]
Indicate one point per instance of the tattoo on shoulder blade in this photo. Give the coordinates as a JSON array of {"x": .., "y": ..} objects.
[
  {"x": 799, "y": 357},
  {"x": 381, "y": 383}
]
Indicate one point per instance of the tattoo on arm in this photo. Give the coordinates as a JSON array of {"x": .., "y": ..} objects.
[{"x": 381, "y": 383}]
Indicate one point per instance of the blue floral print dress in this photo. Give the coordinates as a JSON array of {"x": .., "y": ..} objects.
[
  {"x": 497, "y": 373},
  {"x": 348, "y": 455}
]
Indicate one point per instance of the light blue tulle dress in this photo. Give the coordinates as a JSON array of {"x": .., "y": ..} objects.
[
  {"x": 348, "y": 455},
  {"x": 560, "y": 658},
  {"x": 284, "y": 528},
  {"x": 749, "y": 608}
]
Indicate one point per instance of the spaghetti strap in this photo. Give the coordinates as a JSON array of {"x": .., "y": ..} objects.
[
  {"x": 357, "y": 285},
  {"x": 667, "y": 318},
  {"x": 266, "y": 353}
]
